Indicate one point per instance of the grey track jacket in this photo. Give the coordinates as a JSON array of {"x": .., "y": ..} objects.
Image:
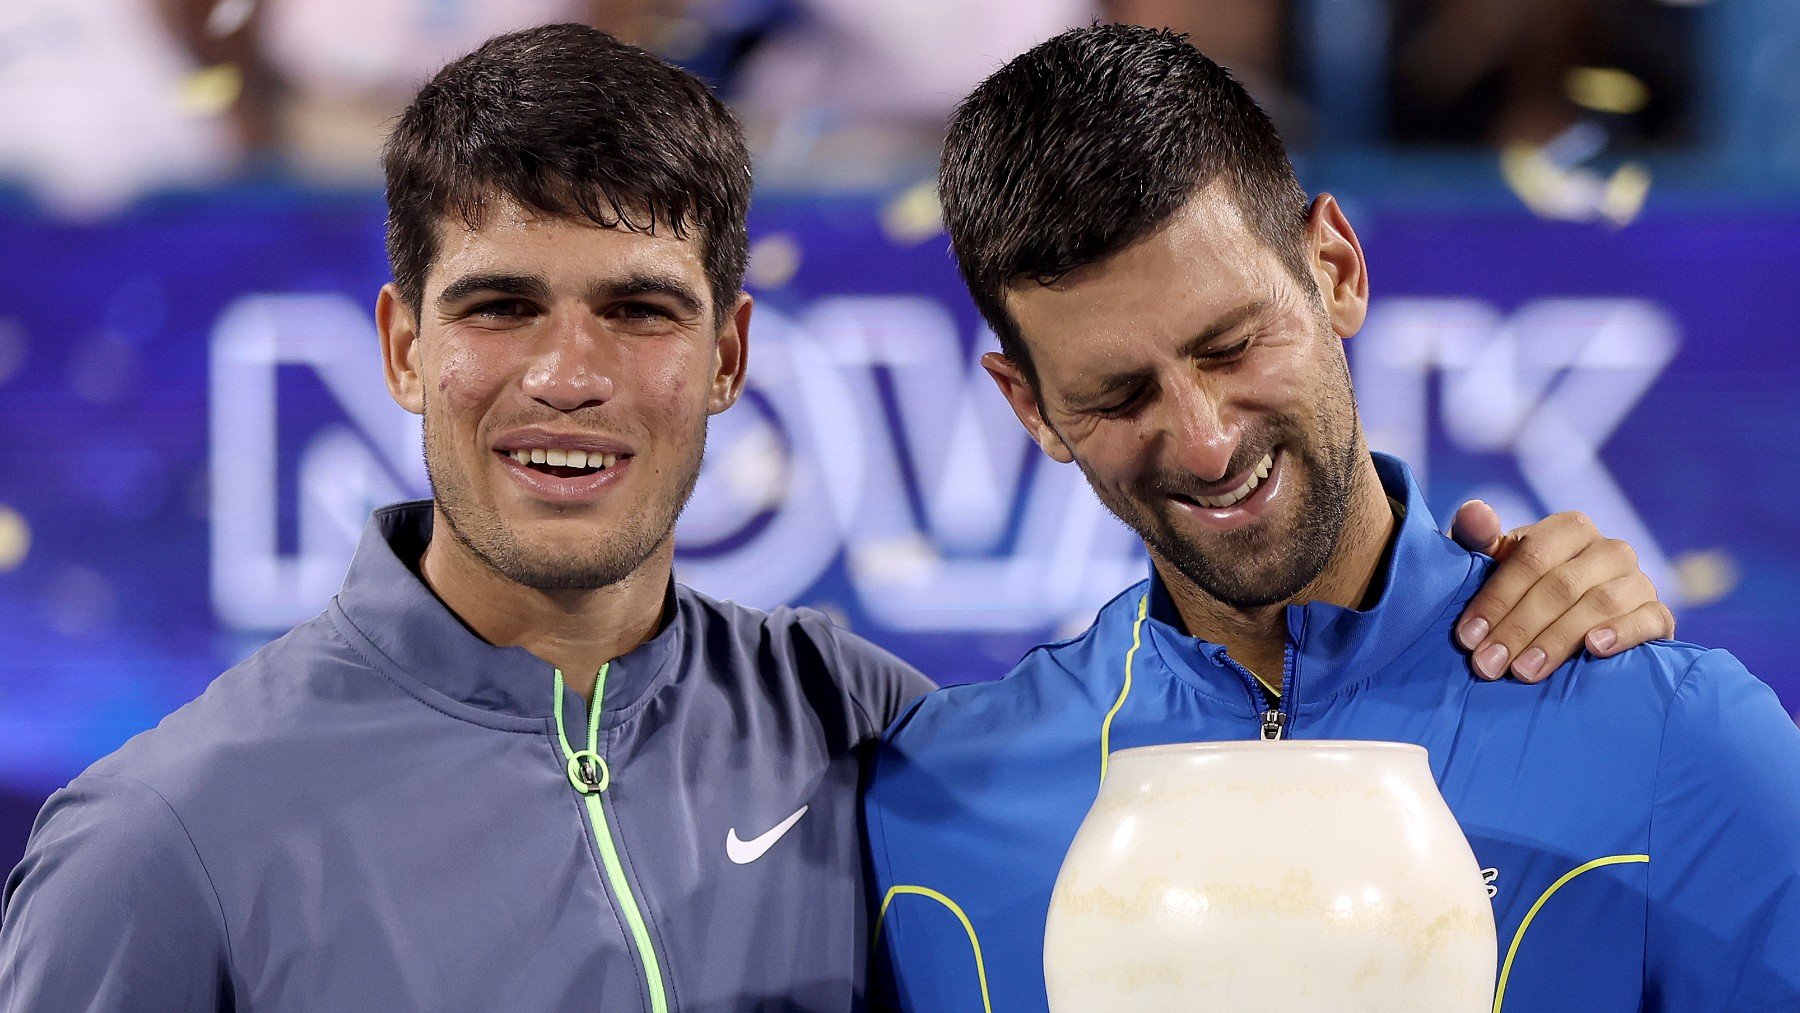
[{"x": 376, "y": 812}]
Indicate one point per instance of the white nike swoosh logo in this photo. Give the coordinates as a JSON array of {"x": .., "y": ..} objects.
[{"x": 744, "y": 852}]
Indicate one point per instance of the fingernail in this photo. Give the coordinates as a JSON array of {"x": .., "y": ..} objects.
[
  {"x": 1601, "y": 641},
  {"x": 1491, "y": 662},
  {"x": 1530, "y": 665},
  {"x": 1472, "y": 632}
]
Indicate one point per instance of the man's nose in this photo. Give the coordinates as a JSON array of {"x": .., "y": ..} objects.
[
  {"x": 571, "y": 367},
  {"x": 1200, "y": 431}
]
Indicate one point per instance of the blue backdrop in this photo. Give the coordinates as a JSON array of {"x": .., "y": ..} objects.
[{"x": 196, "y": 428}]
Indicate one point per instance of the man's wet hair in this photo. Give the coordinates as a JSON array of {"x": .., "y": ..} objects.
[
  {"x": 1092, "y": 141},
  {"x": 569, "y": 122}
]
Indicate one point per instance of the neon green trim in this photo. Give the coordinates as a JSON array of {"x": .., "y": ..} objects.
[
  {"x": 968, "y": 927},
  {"x": 609, "y": 849},
  {"x": 556, "y": 711},
  {"x": 615, "y": 874},
  {"x": 1137, "y": 638},
  {"x": 1519, "y": 936},
  {"x": 593, "y": 728}
]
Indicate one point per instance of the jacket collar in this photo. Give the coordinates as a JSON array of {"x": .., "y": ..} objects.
[
  {"x": 429, "y": 650},
  {"x": 1424, "y": 582}
]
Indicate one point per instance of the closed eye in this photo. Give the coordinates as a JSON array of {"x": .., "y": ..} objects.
[
  {"x": 1228, "y": 353},
  {"x": 1124, "y": 406}
]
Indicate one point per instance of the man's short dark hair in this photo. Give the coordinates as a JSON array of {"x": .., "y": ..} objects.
[
  {"x": 569, "y": 122},
  {"x": 1092, "y": 141}
]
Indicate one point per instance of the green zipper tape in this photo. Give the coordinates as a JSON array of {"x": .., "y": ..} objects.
[{"x": 589, "y": 775}]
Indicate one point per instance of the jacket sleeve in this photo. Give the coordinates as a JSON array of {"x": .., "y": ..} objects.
[
  {"x": 883, "y": 989},
  {"x": 879, "y": 684},
  {"x": 111, "y": 908},
  {"x": 1724, "y": 919},
  {"x": 926, "y": 955}
]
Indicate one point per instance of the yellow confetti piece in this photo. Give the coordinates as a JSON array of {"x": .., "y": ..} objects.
[
  {"x": 1705, "y": 577},
  {"x": 914, "y": 215},
  {"x": 211, "y": 91},
  {"x": 1538, "y": 184},
  {"x": 1625, "y": 193},
  {"x": 15, "y": 538},
  {"x": 774, "y": 260},
  {"x": 1606, "y": 90}
]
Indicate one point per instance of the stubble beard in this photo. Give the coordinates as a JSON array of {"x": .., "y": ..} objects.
[
  {"x": 608, "y": 558},
  {"x": 1259, "y": 565}
]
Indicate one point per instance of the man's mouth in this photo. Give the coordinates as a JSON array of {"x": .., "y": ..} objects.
[
  {"x": 1243, "y": 491},
  {"x": 563, "y": 463}
]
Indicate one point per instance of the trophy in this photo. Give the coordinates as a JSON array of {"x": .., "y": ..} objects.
[{"x": 1270, "y": 876}]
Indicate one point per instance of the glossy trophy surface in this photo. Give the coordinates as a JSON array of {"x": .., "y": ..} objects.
[{"x": 1270, "y": 876}]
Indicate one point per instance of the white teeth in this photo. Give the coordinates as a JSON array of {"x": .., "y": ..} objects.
[
  {"x": 1243, "y": 491},
  {"x": 564, "y": 458}
]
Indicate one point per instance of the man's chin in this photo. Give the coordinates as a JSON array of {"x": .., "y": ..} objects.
[
  {"x": 560, "y": 572},
  {"x": 1250, "y": 567},
  {"x": 556, "y": 553}
]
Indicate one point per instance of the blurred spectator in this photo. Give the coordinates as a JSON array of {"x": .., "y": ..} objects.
[
  {"x": 98, "y": 105},
  {"x": 322, "y": 78},
  {"x": 1524, "y": 71},
  {"x": 855, "y": 92},
  {"x": 851, "y": 90},
  {"x": 105, "y": 99},
  {"x": 1251, "y": 38}
]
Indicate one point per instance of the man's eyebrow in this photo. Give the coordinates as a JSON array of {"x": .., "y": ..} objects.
[
  {"x": 649, "y": 283},
  {"x": 1225, "y": 324},
  {"x": 529, "y": 286}
]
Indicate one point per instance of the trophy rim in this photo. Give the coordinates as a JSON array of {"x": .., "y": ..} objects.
[{"x": 1289, "y": 745}]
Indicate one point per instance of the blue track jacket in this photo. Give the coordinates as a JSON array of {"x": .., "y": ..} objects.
[{"x": 1637, "y": 818}]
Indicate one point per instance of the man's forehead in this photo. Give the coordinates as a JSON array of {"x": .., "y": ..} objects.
[
  {"x": 500, "y": 213},
  {"x": 1209, "y": 226},
  {"x": 512, "y": 235},
  {"x": 1170, "y": 284}
]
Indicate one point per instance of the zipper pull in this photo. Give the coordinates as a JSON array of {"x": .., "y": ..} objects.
[
  {"x": 588, "y": 772},
  {"x": 1272, "y": 722}
]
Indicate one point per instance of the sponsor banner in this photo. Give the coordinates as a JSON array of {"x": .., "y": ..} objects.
[{"x": 198, "y": 427}]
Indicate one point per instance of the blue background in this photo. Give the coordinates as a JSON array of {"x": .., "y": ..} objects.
[{"x": 110, "y": 619}]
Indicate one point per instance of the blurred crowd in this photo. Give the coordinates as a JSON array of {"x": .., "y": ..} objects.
[{"x": 104, "y": 100}]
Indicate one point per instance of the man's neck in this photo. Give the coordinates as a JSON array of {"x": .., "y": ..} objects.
[
  {"x": 1257, "y": 638},
  {"x": 576, "y": 630}
]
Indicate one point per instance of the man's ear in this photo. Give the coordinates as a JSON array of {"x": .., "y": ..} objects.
[
  {"x": 1022, "y": 395},
  {"x": 731, "y": 356},
  {"x": 398, "y": 326},
  {"x": 1336, "y": 259}
]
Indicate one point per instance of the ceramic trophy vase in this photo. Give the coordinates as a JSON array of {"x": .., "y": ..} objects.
[{"x": 1270, "y": 876}]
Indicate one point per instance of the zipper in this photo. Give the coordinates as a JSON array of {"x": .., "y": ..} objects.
[
  {"x": 1273, "y": 714},
  {"x": 1272, "y": 723},
  {"x": 590, "y": 777},
  {"x": 1274, "y": 720},
  {"x": 1290, "y": 670}
]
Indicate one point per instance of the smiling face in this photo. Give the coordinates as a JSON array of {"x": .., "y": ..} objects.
[
  {"x": 566, "y": 373},
  {"x": 1202, "y": 388}
]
